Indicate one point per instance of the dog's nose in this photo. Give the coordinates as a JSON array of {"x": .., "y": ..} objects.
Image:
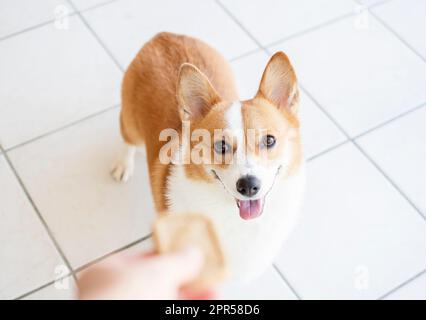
[{"x": 248, "y": 186}]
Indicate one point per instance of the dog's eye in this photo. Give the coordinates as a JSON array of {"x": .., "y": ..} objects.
[
  {"x": 222, "y": 147},
  {"x": 269, "y": 141}
]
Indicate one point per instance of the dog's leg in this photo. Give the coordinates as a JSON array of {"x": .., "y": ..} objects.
[{"x": 125, "y": 164}]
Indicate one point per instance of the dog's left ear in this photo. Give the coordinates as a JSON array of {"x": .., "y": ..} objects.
[
  {"x": 279, "y": 83},
  {"x": 195, "y": 93}
]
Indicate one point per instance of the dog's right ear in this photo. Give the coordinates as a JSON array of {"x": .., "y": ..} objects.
[
  {"x": 279, "y": 83},
  {"x": 195, "y": 93}
]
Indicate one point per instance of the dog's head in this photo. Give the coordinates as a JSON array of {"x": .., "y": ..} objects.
[{"x": 243, "y": 145}]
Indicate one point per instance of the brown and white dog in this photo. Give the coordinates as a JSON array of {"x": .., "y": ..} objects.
[{"x": 253, "y": 201}]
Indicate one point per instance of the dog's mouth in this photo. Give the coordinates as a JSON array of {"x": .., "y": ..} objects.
[{"x": 250, "y": 209}]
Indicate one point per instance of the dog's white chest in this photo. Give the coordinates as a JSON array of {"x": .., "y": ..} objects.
[{"x": 250, "y": 245}]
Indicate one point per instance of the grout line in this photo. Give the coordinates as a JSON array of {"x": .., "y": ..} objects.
[
  {"x": 127, "y": 246},
  {"x": 34, "y": 290},
  {"x": 41, "y": 287},
  {"x": 391, "y": 30},
  {"x": 248, "y": 33},
  {"x": 402, "y": 285},
  {"x": 324, "y": 24},
  {"x": 95, "y": 35},
  {"x": 364, "y": 153},
  {"x": 36, "y": 26},
  {"x": 302, "y": 88},
  {"x": 302, "y": 32},
  {"x": 71, "y": 124},
  {"x": 327, "y": 150},
  {"x": 389, "y": 179},
  {"x": 384, "y": 24},
  {"x": 37, "y": 211},
  {"x": 402, "y": 115},
  {"x": 311, "y": 29},
  {"x": 246, "y": 54},
  {"x": 286, "y": 281}
]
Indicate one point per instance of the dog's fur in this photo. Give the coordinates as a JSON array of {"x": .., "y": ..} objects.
[{"x": 175, "y": 78}]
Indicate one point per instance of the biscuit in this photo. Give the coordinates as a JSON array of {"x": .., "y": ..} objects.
[{"x": 172, "y": 232}]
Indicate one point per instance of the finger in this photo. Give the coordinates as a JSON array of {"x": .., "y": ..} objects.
[
  {"x": 181, "y": 266},
  {"x": 149, "y": 254},
  {"x": 141, "y": 256},
  {"x": 188, "y": 294}
]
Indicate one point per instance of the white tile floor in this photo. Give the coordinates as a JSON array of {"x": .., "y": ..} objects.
[{"x": 363, "y": 74}]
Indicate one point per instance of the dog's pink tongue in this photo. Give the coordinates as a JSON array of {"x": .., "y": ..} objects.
[{"x": 250, "y": 209}]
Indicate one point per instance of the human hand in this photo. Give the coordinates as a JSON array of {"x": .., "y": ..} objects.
[{"x": 143, "y": 277}]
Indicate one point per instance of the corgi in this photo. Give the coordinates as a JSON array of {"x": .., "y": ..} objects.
[{"x": 253, "y": 197}]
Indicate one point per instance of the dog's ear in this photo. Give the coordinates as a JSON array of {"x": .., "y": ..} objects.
[
  {"x": 279, "y": 83},
  {"x": 195, "y": 93}
]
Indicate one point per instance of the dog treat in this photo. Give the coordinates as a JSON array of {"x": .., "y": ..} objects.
[{"x": 175, "y": 231}]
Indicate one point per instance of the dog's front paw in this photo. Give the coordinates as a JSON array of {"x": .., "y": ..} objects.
[{"x": 122, "y": 171}]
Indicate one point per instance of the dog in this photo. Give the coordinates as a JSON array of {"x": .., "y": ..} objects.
[{"x": 253, "y": 198}]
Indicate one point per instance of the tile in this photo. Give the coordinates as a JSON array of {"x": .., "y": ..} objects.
[
  {"x": 86, "y": 4},
  {"x": 272, "y": 20},
  {"x": 414, "y": 290},
  {"x": 140, "y": 20},
  {"x": 68, "y": 176},
  {"x": 19, "y": 15},
  {"x": 63, "y": 289},
  {"x": 28, "y": 258},
  {"x": 357, "y": 238},
  {"x": 406, "y": 18},
  {"x": 66, "y": 77},
  {"x": 269, "y": 286},
  {"x": 318, "y": 132},
  {"x": 358, "y": 81},
  {"x": 399, "y": 149}
]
